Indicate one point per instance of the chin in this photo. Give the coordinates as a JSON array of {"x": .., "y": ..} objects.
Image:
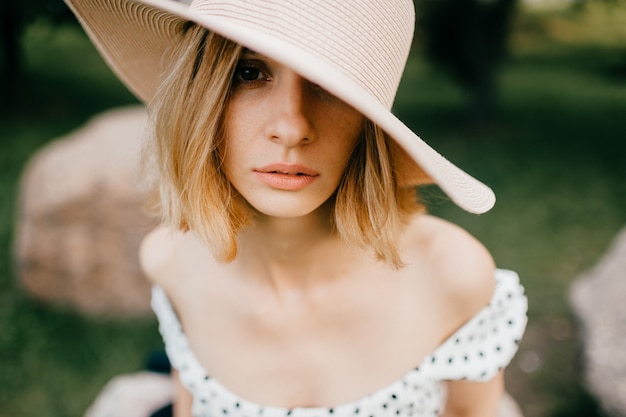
[
  {"x": 284, "y": 212},
  {"x": 287, "y": 208}
]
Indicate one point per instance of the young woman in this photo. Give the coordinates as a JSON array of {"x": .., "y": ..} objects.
[{"x": 295, "y": 274}]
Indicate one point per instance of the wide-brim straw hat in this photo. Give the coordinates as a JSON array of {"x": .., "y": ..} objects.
[{"x": 354, "y": 49}]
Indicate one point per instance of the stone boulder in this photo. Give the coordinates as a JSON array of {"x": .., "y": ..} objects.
[
  {"x": 598, "y": 299},
  {"x": 80, "y": 218}
]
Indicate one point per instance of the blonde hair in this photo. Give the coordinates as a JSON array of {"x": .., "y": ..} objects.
[
  {"x": 191, "y": 190},
  {"x": 370, "y": 208}
]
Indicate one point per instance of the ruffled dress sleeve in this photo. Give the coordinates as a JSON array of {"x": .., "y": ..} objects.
[
  {"x": 177, "y": 346},
  {"x": 488, "y": 341}
]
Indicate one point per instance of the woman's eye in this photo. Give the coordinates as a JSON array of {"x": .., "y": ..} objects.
[{"x": 247, "y": 73}]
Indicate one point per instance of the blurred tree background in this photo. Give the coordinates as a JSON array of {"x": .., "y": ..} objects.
[
  {"x": 468, "y": 40},
  {"x": 528, "y": 96},
  {"x": 15, "y": 16}
]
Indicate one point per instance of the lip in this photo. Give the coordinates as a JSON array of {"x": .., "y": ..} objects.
[
  {"x": 288, "y": 177},
  {"x": 290, "y": 169}
]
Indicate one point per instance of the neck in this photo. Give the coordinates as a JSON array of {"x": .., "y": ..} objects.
[{"x": 294, "y": 253}]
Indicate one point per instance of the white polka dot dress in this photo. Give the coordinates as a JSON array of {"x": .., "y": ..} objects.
[{"x": 477, "y": 351}]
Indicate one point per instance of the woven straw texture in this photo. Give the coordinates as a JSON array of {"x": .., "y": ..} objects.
[{"x": 355, "y": 49}]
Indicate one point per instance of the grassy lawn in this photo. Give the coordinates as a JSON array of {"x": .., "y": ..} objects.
[
  {"x": 554, "y": 156},
  {"x": 53, "y": 361}
]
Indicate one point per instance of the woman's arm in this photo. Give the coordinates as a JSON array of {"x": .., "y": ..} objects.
[
  {"x": 474, "y": 399},
  {"x": 182, "y": 398}
]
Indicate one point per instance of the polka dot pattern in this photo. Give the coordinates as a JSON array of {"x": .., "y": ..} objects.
[{"x": 476, "y": 351}]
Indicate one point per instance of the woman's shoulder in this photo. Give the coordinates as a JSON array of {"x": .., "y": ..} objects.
[
  {"x": 462, "y": 269},
  {"x": 167, "y": 255},
  {"x": 156, "y": 253}
]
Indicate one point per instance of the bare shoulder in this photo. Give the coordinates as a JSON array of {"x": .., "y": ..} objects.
[
  {"x": 461, "y": 266},
  {"x": 155, "y": 252},
  {"x": 170, "y": 257}
]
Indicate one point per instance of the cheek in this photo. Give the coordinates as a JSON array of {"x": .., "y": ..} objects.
[
  {"x": 235, "y": 131},
  {"x": 232, "y": 123},
  {"x": 350, "y": 124},
  {"x": 230, "y": 150}
]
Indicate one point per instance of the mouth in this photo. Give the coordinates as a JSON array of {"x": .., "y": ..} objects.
[
  {"x": 287, "y": 173},
  {"x": 288, "y": 169},
  {"x": 287, "y": 177}
]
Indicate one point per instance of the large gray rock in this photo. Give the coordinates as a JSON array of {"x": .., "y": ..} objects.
[
  {"x": 598, "y": 298},
  {"x": 80, "y": 218}
]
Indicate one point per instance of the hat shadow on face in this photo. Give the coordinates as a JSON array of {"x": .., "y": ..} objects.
[{"x": 353, "y": 49}]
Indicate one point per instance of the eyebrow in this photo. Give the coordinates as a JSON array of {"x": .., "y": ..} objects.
[{"x": 248, "y": 51}]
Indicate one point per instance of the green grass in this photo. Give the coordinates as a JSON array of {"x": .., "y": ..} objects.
[
  {"x": 554, "y": 156},
  {"x": 53, "y": 361}
]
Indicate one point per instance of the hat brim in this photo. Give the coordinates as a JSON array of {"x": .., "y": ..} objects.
[{"x": 133, "y": 35}]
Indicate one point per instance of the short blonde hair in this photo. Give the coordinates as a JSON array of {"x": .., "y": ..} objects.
[{"x": 191, "y": 190}]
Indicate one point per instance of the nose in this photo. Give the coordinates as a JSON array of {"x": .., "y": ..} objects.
[{"x": 290, "y": 122}]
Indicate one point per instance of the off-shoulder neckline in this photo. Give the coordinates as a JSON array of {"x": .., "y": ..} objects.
[{"x": 420, "y": 370}]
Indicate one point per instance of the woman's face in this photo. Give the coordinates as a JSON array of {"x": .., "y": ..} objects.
[{"x": 287, "y": 141}]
